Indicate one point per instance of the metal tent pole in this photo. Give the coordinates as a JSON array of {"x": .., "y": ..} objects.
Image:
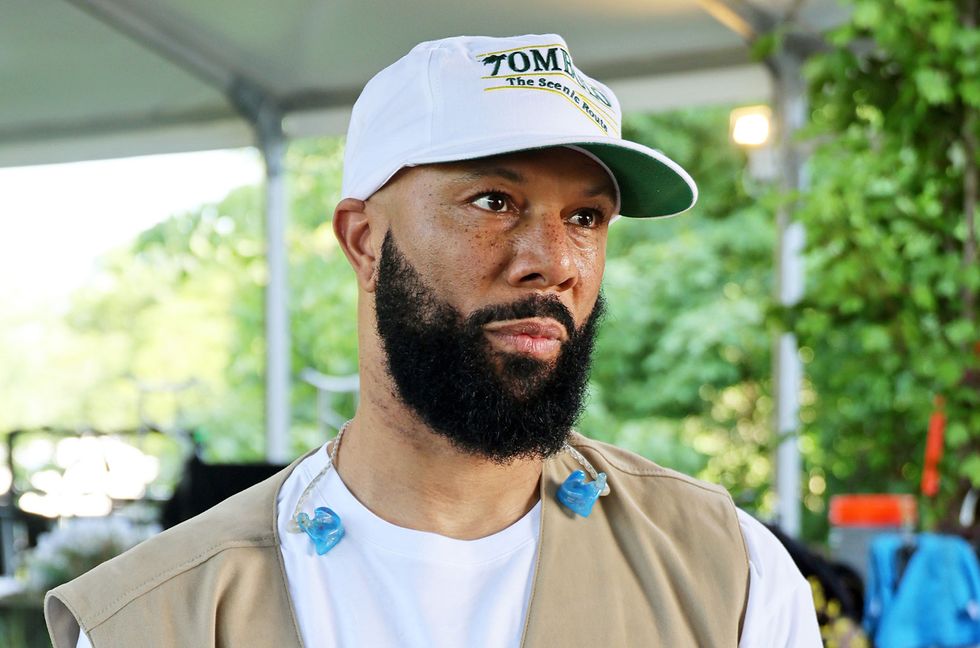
[
  {"x": 196, "y": 54},
  {"x": 791, "y": 111},
  {"x": 751, "y": 21},
  {"x": 277, "y": 343},
  {"x": 266, "y": 117}
]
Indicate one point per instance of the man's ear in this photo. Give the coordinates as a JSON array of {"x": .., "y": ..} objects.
[{"x": 352, "y": 227}]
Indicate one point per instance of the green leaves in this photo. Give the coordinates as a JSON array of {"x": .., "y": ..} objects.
[
  {"x": 683, "y": 358},
  {"x": 934, "y": 85},
  {"x": 868, "y": 14},
  {"x": 884, "y": 311},
  {"x": 971, "y": 470}
]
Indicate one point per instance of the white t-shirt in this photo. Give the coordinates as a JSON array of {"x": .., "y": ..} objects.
[
  {"x": 385, "y": 585},
  {"x": 397, "y": 587}
]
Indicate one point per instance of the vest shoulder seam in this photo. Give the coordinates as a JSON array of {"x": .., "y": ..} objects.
[
  {"x": 714, "y": 489},
  {"x": 652, "y": 471},
  {"x": 107, "y": 611}
]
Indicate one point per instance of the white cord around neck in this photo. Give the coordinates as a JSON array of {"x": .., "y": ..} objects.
[
  {"x": 579, "y": 457},
  {"x": 293, "y": 526}
]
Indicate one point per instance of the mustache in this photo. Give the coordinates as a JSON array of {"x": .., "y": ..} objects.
[{"x": 530, "y": 306}]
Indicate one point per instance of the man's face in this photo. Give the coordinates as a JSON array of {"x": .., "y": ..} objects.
[{"x": 487, "y": 296}]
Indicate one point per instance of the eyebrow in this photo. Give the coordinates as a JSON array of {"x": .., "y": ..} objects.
[
  {"x": 501, "y": 172},
  {"x": 606, "y": 189}
]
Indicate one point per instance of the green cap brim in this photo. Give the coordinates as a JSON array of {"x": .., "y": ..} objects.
[{"x": 651, "y": 185}]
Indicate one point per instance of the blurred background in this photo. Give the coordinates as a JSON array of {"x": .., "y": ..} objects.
[{"x": 177, "y": 322}]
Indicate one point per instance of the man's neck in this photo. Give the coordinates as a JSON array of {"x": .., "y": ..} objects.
[{"x": 414, "y": 478}]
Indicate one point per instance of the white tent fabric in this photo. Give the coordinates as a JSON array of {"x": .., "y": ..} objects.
[{"x": 84, "y": 79}]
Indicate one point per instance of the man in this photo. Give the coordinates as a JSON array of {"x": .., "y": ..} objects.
[{"x": 481, "y": 176}]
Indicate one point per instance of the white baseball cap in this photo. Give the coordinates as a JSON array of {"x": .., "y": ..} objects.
[{"x": 470, "y": 97}]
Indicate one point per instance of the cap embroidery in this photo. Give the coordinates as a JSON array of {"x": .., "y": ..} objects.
[{"x": 529, "y": 68}]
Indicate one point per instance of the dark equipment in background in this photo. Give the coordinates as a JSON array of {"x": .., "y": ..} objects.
[{"x": 203, "y": 485}]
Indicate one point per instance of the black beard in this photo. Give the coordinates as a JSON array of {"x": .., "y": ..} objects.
[{"x": 496, "y": 405}]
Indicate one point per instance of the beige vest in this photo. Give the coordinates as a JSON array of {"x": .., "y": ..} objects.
[{"x": 661, "y": 562}]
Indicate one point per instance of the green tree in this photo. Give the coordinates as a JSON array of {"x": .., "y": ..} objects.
[
  {"x": 890, "y": 314},
  {"x": 187, "y": 299},
  {"x": 681, "y": 374}
]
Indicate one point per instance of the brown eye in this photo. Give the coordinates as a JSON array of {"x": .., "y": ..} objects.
[
  {"x": 587, "y": 218},
  {"x": 494, "y": 202}
]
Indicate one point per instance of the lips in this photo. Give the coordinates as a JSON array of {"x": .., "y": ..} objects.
[
  {"x": 536, "y": 327},
  {"x": 536, "y": 336}
]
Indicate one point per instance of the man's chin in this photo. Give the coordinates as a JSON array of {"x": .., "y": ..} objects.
[{"x": 522, "y": 376}]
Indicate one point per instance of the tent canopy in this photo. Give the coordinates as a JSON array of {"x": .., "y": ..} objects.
[{"x": 86, "y": 79}]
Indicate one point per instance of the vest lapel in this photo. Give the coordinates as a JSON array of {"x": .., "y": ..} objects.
[
  {"x": 291, "y": 636},
  {"x": 566, "y": 608},
  {"x": 622, "y": 576}
]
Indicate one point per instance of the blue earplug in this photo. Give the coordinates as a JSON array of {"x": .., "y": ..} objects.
[
  {"x": 580, "y": 496},
  {"x": 325, "y": 528}
]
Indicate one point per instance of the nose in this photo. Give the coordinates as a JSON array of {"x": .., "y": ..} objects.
[{"x": 542, "y": 254}]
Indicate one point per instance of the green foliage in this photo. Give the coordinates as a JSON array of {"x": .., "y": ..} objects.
[
  {"x": 168, "y": 299},
  {"x": 681, "y": 369},
  {"x": 186, "y": 301},
  {"x": 888, "y": 320}
]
